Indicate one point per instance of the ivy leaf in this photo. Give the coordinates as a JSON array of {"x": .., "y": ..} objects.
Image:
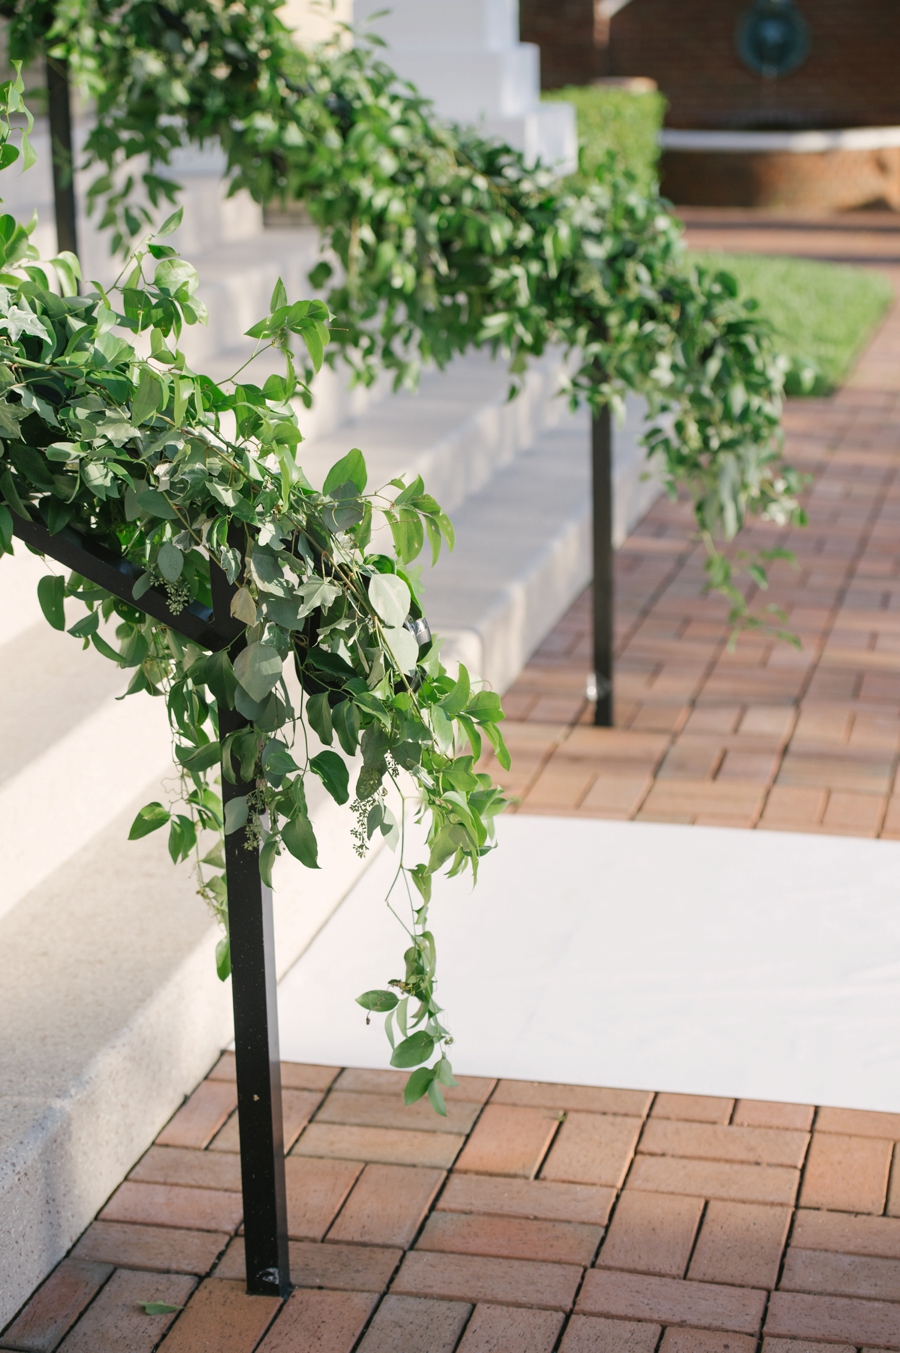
[
  {"x": 403, "y": 648},
  {"x": 198, "y": 759},
  {"x": 151, "y": 817},
  {"x": 168, "y": 227},
  {"x": 379, "y": 1001},
  {"x": 333, "y": 773},
  {"x": 156, "y": 503},
  {"x": 218, "y": 675},
  {"x": 182, "y": 837},
  {"x": 236, "y": 813},
  {"x": 350, "y": 469},
  {"x": 390, "y": 598},
  {"x": 455, "y": 701},
  {"x": 258, "y": 669},
  {"x": 147, "y": 397},
  {"x": 51, "y": 590},
  {"x": 413, "y": 1050},
  {"x": 345, "y": 718},
  {"x": 300, "y": 839},
  {"x": 277, "y": 762},
  {"x": 318, "y": 712}
]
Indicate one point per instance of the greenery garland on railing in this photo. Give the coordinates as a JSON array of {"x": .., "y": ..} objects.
[
  {"x": 171, "y": 470},
  {"x": 443, "y": 239}
]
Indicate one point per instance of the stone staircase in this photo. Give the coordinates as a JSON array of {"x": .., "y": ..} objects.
[{"x": 111, "y": 1009}]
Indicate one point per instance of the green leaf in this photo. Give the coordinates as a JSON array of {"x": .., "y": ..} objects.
[
  {"x": 418, "y": 1084},
  {"x": 455, "y": 701},
  {"x": 159, "y": 1308},
  {"x": 8, "y": 489},
  {"x": 345, "y": 718},
  {"x": 170, "y": 561},
  {"x": 182, "y": 837},
  {"x": 6, "y": 529},
  {"x": 267, "y": 857},
  {"x": 318, "y": 712},
  {"x": 495, "y": 737},
  {"x": 198, "y": 759},
  {"x": 258, "y": 668},
  {"x": 147, "y": 398},
  {"x": 436, "y": 1096},
  {"x": 413, "y": 1050},
  {"x": 218, "y": 675},
  {"x": 300, "y": 839},
  {"x": 277, "y": 762},
  {"x": 408, "y": 533},
  {"x": 279, "y": 297},
  {"x": 223, "y": 958},
  {"x": 379, "y": 1001},
  {"x": 236, "y": 813},
  {"x": 156, "y": 503},
  {"x": 169, "y": 226},
  {"x": 51, "y": 590},
  {"x": 151, "y": 817},
  {"x": 390, "y": 598},
  {"x": 351, "y": 469},
  {"x": 86, "y": 626},
  {"x": 333, "y": 773},
  {"x": 485, "y": 707}
]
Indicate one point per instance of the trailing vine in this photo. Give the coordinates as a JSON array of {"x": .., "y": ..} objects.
[
  {"x": 107, "y": 432},
  {"x": 436, "y": 240}
]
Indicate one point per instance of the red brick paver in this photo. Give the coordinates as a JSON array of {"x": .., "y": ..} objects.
[
  {"x": 761, "y": 735},
  {"x": 721, "y": 1226}
]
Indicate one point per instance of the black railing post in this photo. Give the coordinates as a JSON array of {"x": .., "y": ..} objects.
[
  {"x": 257, "y": 1057},
  {"x": 603, "y": 590},
  {"x": 253, "y": 987},
  {"x": 59, "y": 108}
]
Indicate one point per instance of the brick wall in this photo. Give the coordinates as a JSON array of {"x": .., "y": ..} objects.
[
  {"x": 850, "y": 77},
  {"x": 565, "y": 32}
]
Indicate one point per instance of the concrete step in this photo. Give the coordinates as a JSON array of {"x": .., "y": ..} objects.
[{"x": 110, "y": 1007}]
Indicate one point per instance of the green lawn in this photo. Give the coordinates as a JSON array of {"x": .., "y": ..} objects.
[
  {"x": 823, "y": 312},
  {"x": 616, "y": 119}
]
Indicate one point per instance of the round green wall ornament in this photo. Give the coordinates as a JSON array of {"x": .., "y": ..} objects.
[{"x": 773, "y": 38}]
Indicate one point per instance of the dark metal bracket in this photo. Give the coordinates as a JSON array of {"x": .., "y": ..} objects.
[{"x": 253, "y": 985}]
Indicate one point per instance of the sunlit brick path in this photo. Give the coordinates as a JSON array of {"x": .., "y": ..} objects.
[
  {"x": 534, "y": 1218},
  {"x": 764, "y": 735}
]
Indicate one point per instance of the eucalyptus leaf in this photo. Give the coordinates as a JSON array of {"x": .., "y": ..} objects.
[{"x": 258, "y": 669}]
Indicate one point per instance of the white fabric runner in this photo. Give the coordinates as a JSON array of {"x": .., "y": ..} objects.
[{"x": 697, "y": 959}]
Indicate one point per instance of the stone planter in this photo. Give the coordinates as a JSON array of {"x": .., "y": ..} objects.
[{"x": 799, "y": 170}]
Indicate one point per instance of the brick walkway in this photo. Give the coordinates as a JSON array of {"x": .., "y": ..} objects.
[
  {"x": 762, "y": 736},
  {"x": 535, "y": 1217}
]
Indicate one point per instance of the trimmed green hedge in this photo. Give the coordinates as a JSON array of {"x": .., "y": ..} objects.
[
  {"x": 823, "y": 313},
  {"x": 616, "y": 119}
]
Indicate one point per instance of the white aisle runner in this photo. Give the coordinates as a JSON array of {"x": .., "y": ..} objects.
[{"x": 697, "y": 959}]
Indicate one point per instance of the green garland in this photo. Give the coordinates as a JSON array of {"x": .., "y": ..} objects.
[
  {"x": 172, "y": 472},
  {"x": 444, "y": 240}
]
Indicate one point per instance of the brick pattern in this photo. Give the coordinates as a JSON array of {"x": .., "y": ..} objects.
[
  {"x": 560, "y": 1219},
  {"x": 762, "y": 736}
]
